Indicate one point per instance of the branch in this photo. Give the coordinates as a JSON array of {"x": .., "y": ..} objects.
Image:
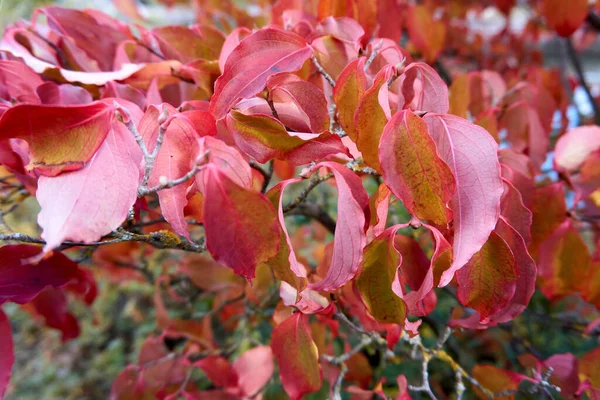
[
  {"x": 314, "y": 211},
  {"x": 582, "y": 80},
  {"x": 314, "y": 182},
  {"x": 267, "y": 175},
  {"x": 159, "y": 240},
  {"x": 322, "y": 71}
]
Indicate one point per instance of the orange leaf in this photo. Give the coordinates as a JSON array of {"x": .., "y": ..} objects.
[
  {"x": 347, "y": 93},
  {"x": 564, "y": 16}
]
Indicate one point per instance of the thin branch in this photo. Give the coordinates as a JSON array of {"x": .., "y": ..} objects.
[
  {"x": 374, "y": 52},
  {"x": 267, "y": 175},
  {"x": 314, "y": 182},
  {"x": 314, "y": 211},
  {"x": 582, "y": 80},
  {"x": 322, "y": 71}
]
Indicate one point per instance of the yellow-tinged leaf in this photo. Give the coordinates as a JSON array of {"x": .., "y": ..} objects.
[
  {"x": 377, "y": 272},
  {"x": 488, "y": 281},
  {"x": 372, "y": 114},
  {"x": 564, "y": 262},
  {"x": 347, "y": 93},
  {"x": 297, "y": 356},
  {"x": 414, "y": 171},
  {"x": 61, "y": 138}
]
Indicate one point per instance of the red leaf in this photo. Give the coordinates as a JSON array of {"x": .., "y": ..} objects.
[
  {"x": 228, "y": 159},
  {"x": 6, "y": 349},
  {"x": 61, "y": 138},
  {"x": 218, "y": 371},
  {"x": 53, "y": 306},
  {"x": 20, "y": 81},
  {"x": 565, "y": 17},
  {"x": 471, "y": 153},
  {"x": 92, "y": 35},
  {"x": 432, "y": 94},
  {"x": 345, "y": 29},
  {"x": 21, "y": 282},
  {"x": 260, "y": 55},
  {"x": 353, "y": 220},
  {"x": 241, "y": 225},
  {"x": 414, "y": 171},
  {"x": 515, "y": 212},
  {"x": 488, "y": 281},
  {"x": 86, "y": 204},
  {"x": 308, "y": 99},
  {"x": 263, "y": 137},
  {"x": 254, "y": 368},
  {"x": 297, "y": 356}
]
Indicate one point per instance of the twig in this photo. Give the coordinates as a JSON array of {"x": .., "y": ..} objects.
[
  {"x": 373, "y": 54},
  {"x": 142, "y": 191},
  {"x": 267, "y": 175},
  {"x": 314, "y": 182},
  {"x": 314, "y": 211},
  {"x": 322, "y": 71},
  {"x": 582, "y": 80}
]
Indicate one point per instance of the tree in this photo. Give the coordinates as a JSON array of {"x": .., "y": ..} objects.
[{"x": 326, "y": 197}]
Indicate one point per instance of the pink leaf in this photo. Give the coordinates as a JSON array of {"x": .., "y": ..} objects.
[
  {"x": 575, "y": 146},
  {"x": 471, "y": 153},
  {"x": 20, "y": 81},
  {"x": 308, "y": 99},
  {"x": 254, "y": 368},
  {"x": 6, "y": 349},
  {"x": 260, "y": 55},
  {"x": 345, "y": 29},
  {"x": 51, "y": 93},
  {"x": 432, "y": 95},
  {"x": 350, "y": 237},
  {"x": 86, "y": 204},
  {"x": 231, "y": 42}
]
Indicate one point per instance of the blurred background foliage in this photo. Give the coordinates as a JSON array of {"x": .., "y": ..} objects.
[{"x": 115, "y": 326}]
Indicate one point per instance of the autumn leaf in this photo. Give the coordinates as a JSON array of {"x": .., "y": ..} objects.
[
  {"x": 432, "y": 93},
  {"x": 414, "y": 171},
  {"x": 22, "y": 281},
  {"x": 488, "y": 281},
  {"x": 264, "y": 137},
  {"x": 378, "y": 269},
  {"x": 353, "y": 220},
  {"x": 95, "y": 200},
  {"x": 471, "y": 154},
  {"x": 564, "y": 17},
  {"x": 8, "y": 356},
  {"x": 297, "y": 356},
  {"x": 371, "y": 117},
  {"x": 61, "y": 138},
  {"x": 258, "y": 56},
  {"x": 348, "y": 91},
  {"x": 242, "y": 229}
]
